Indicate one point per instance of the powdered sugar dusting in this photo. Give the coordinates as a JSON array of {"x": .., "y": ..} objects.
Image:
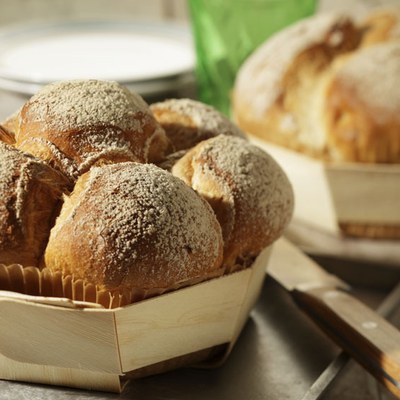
[
  {"x": 259, "y": 79},
  {"x": 79, "y": 104},
  {"x": 373, "y": 74},
  {"x": 89, "y": 119},
  {"x": 13, "y": 180},
  {"x": 15, "y": 176},
  {"x": 258, "y": 186},
  {"x": 207, "y": 120},
  {"x": 142, "y": 222}
]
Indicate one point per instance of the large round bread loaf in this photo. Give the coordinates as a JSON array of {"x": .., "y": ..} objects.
[{"x": 328, "y": 87}]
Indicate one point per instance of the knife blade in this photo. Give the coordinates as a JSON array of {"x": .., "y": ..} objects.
[{"x": 361, "y": 332}]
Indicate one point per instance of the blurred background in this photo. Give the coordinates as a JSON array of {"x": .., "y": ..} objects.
[{"x": 47, "y": 40}]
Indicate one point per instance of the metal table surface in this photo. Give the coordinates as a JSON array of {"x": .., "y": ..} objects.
[{"x": 280, "y": 354}]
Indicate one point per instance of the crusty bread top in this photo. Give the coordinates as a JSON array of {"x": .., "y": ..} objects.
[
  {"x": 76, "y": 124},
  {"x": 77, "y": 104},
  {"x": 187, "y": 122},
  {"x": 381, "y": 24},
  {"x": 249, "y": 192},
  {"x": 259, "y": 80},
  {"x": 29, "y": 193},
  {"x": 372, "y": 75},
  {"x": 17, "y": 170},
  {"x": 13, "y": 182},
  {"x": 134, "y": 225}
]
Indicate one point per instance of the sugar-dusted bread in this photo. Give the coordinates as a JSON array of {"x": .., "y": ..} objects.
[
  {"x": 279, "y": 92},
  {"x": 328, "y": 87},
  {"x": 362, "y": 106},
  {"x": 97, "y": 203},
  {"x": 248, "y": 191},
  {"x": 30, "y": 198},
  {"x": 135, "y": 227},
  {"x": 73, "y": 125},
  {"x": 187, "y": 122},
  {"x": 381, "y": 25}
]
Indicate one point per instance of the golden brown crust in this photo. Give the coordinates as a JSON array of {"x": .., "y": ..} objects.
[
  {"x": 248, "y": 191},
  {"x": 9, "y": 127},
  {"x": 335, "y": 103},
  {"x": 362, "y": 106},
  {"x": 381, "y": 25},
  {"x": 129, "y": 227},
  {"x": 6, "y": 136},
  {"x": 30, "y": 197},
  {"x": 76, "y": 124},
  {"x": 188, "y": 122},
  {"x": 277, "y": 91},
  {"x": 133, "y": 226}
]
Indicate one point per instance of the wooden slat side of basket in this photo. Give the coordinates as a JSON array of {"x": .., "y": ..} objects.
[
  {"x": 56, "y": 336},
  {"x": 329, "y": 194},
  {"x": 94, "y": 348},
  {"x": 181, "y": 322},
  {"x": 366, "y": 194},
  {"x": 50, "y": 375}
]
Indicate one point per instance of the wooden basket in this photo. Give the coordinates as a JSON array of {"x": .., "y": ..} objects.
[
  {"x": 62, "y": 342},
  {"x": 332, "y": 196}
]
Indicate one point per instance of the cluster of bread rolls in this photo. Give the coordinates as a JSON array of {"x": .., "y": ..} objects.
[
  {"x": 327, "y": 86},
  {"x": 97, "y": 185}
]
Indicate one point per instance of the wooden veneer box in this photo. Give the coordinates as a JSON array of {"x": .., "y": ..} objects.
[
  {"x": 61, "y": 342},
  {"x": 329, "y": 195}
]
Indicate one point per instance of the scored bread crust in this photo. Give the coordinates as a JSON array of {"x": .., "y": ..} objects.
[
  {"x": 248, "y": 191},
  {"x": 132, "y": 225},
  {"x": 76, "y": 124},
  {"x": 30, "y": 198}
]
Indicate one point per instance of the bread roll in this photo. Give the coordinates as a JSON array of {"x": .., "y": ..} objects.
[
  {"x": 279, "y": 90},
  {"x": 187, "y": 122},
  {"x": 30, "y": 194},
  {"x": 135, "y": 227},
  {"x": 248, "y": 191},
  {"x": 75, "y": 124}
]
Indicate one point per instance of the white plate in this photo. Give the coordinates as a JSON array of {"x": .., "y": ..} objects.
[
  {"x": 125, "y": 51},
  {"x": 154, "y": 87}
]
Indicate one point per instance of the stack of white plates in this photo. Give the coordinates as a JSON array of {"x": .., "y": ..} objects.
[{"x": 149, "y": 57}]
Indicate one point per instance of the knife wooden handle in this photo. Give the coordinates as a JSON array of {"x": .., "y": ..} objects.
[{"x": 360, "y": 331}]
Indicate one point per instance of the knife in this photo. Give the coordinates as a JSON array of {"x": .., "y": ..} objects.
[{"x": 360, "y": 331}]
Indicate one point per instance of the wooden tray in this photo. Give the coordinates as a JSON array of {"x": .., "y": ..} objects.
[
  {"x": 330, "y": 194},
  {"x": 68, "y": 344}
]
